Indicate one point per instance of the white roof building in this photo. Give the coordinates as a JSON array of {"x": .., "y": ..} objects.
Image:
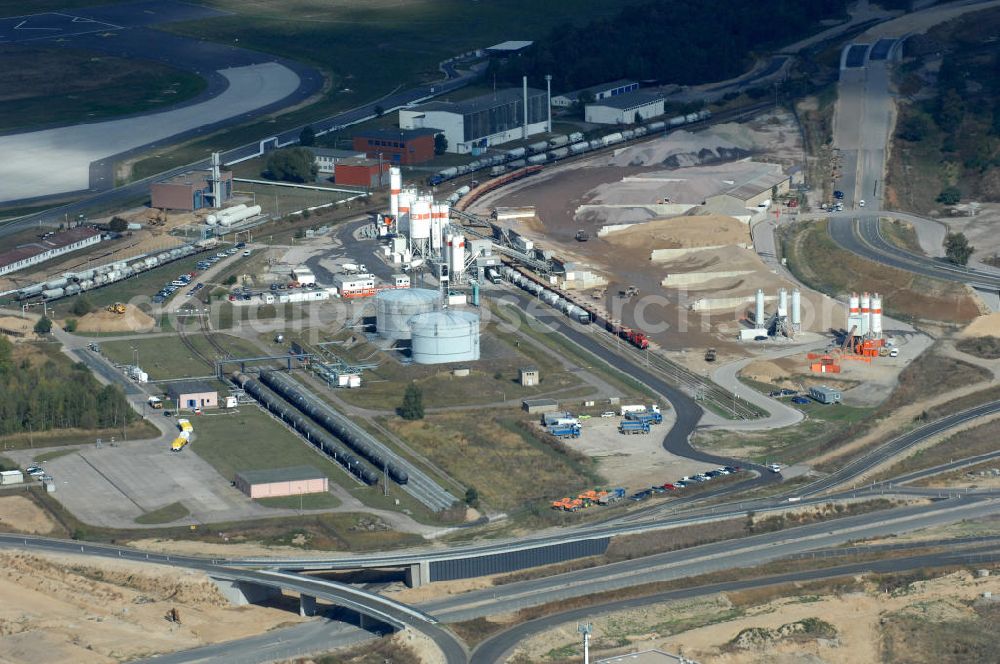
[
  {"x": 599, "y": 92},
  {"x": 622, "y": 109}
]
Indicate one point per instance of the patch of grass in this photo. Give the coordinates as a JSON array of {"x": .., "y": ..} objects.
[
  {"x": 987, "y": 348},
  {"x": 165, "y": 514},
  {"x": 931, "y": 375},
  {"x": 901, "y": 234},
  {"x": 960, "y": 404},
  {"x": 379, "y": 651},
  {"x": 822, "y": 265},
  {"x": 42, "y": 86},
  {"x": 916, "y": 638},
  {"x": 166, "y": 357},
  {"x": 139, "y": 430},
  {"x": 499, "y": 454},
  {"x": 312, "y": 501},
  {"x": 49, "y": 456},
  {"x": 8, "y": 464},
  {"x": 971, "y": 442}
]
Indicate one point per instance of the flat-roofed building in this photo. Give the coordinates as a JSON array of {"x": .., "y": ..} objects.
[
  {"x": 625, "y": 108},
  {"x": 56, "y": 244},
  {"x": 480, "y": 122},
  {"x": 280, "y": 482},
  {"x": 400, "y": 146},
  {"x": 193, "y": 394},
  {"x": 595, "y": 92},
  {"x": 189, "y": 191}
]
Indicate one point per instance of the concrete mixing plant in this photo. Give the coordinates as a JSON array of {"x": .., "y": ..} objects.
[{"x": 785, "y": 320}]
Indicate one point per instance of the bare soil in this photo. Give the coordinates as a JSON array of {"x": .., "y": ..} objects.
[
  {"x": 81, "y": 609},
  {"x": 682, "y": 232},
  {"x": 133, "y": 320},
  {"x": 21, "y": 514}
]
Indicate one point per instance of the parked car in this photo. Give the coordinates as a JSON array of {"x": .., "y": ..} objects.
[
  {"x": 168, "y": 413},
  {"x": 670, "y": 487},
  {"x": 788, "y": 393},
  {"x": 608, "y": 413},
  {"x": 680, "y": 484},
  {"x": 240, "y": 245},
  {"x": 774, "y": 467},
  {"x": 800, "y": 400},
  {"x": 246, "y": 253},
  {"x": 776, "y": 393},
  {"x": 641, "y": 495},
  {"x": 657, "y": 489}
]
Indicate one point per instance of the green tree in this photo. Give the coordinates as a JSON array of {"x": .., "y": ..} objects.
[
  {"x": 912, "y": 128},
  {"x": 950, "y": 111},
  {"x": 117, "y": 225},
  {"x": 949, "y": 196},
  {"x": 472, "y": 497},
  {"x": 292, "y": 165},
  {"x": 307, "y": 136},
  {"x": 230, "y": 280},
  {"x": 440, "y": 144},
  {"x": 43, "y": 326},
  {"x": 412, "y": 407},
  {"x": 70, "y": 325},
  {"x": 638, "y": 118},
  {"x": 957, "y": 249},
  {"x": 82, "y": 306}
]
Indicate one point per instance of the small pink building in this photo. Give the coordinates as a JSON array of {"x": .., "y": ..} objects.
[{"x": 279, "y": 482}]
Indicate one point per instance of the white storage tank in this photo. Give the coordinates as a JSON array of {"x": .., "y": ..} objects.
[
  {"x": 445, "y": 336},
  {"x": 395, "y": 308}
]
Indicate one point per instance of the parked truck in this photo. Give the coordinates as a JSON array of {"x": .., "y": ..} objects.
[
  {"x": 632, "y": 427},
  {"x": 178, "y": 444},
  {"x": 565, "y": 430},
  {"x": 612, "y": 496},
  {"x": 646, "y": 416},
  {"x": 632, "y": 408},
  {"x": 11, "y": 477}
]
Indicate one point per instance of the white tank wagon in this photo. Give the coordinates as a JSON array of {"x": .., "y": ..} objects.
[
  {"x": 395, "y": 308},
  {"x": 445, "y": 336}
]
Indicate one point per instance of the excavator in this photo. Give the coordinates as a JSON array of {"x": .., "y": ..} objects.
[{"x": 117, "y": 308}]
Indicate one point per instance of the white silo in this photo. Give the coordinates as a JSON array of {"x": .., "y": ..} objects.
[
  {"x": 420, "y": 220},
  {"x": 395, "y": 186},
  {"x": 796, "y": 309},
  {"x": 782, "y": 302},
  {"x": 876, "y": 315},
  {"x": 854, "y": 313},
  {"x": 758, "y": 312},
  {"x": 456, "y": 256},
  {"x": 439, "y": 219},
  {"x": 866, "y": 312},
  {"x": 406, "y": 198}
]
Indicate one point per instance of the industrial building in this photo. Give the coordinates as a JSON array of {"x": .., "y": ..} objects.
[
  {"x": 399, "y": 146},
  {"x": 189, "y": 191},
  {"x": 824, "y": 394},
  {"x": 327, "y": 158},
  {"x": 595, "y": 92},
  {"x": 193, "y": 394},
  {"x": 395, "y": 308},
  {"x": 445, "y": 336},
  {"x": 483, "y": 121},
  {"x": 622, "y": 109},
  {"x": 534, "y": 406},
  {"x": 303, "y": 275},
  {"x": 280, "y": 482},
  {"x": 755, "y": 192},
  {"x": 56, "y": 244},
  {"x": 528, "y": 376},
  {"x": 508, "y": 47},
  {"x": 358, "y": 172}
]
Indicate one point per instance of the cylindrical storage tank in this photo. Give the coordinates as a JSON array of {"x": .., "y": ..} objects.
[
  {"x": 56, "y": 283},
  {"x": 866, "y": 311},
  {"x": 559, "y": 153},
  {"x": 72, "y": 289},
  {"x": 558, "y": 141},
  {"x": 758, "y": 312},
  {"x": 782, "y": 302},
  {"x": 656, "y": 126},
  {"x": 596, "y": 143},
  {"x": 575, "y": 136},
  {"x": 52, "y": 293},
  {"x": 463, "y": 190},
  {"x": 31, "y": 290},
  {"x": 538, "y": 147},
  {"x": 538, "y": 158},
  {"x": 578, "y": 148},
  {"x": 395, "y": 186},
  {"x": 86, "y": 284},
  {"x": 445, "y": 336},
  {"x": 516, "y": 153},
  {"x": 420, "y": 219},
  {"x": 84, "y": 274},
  {"x": 796, "y": 307},
  {"x": 628, "y": 135},
  {"x": 519, "y": 163},
  {"x": 395, "y": 308},
  {"x": 405, "y": 201},
  {"x": 640, "y": 131},
  {"x": 211, "y": 220},
  {"x": 876, "y": 315},
  {"x": 456, "y": 255}
]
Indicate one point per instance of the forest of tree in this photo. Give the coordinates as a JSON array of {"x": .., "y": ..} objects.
[
  {"x": 55, "y": 395},
  {"x": 677, "y": 41}
]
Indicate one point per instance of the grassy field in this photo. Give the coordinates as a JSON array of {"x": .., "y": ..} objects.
[
  {"x": 280, "y": 200},
  {"x": 366, "y": 48},
  {"x": 987, "y": 348},
  {"x": 167, "y": 357},
  {"x": 822, "y": 265},
  {"x": 312, "y": 501},
  {"x": 165, "y": 514},
  {"x": 498, "y": 454},
  {"x": 901, "y": 234},
  {"x": 252, "y": 440},
  {"x": 44, "y": 86},
  {"x": 974, "y": 441}
]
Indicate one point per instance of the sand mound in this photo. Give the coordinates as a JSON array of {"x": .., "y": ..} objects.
[
  {"x": 18, "y": 327},
  {"x": 682, "y": 232},
  {"x": 20, "y": 514},
  {"x": 984, "y": 326},
  {"x": 133, "y": 320},
  {"x": 764, "y": 371}
]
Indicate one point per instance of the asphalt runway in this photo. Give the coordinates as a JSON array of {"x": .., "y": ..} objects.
[{"x": 28, "y": 170}]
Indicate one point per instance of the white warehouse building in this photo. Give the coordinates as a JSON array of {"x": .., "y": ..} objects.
[
  {"x": 596, "y": 92},
  {"x": 622, "y": 109},
  {"x": 490, "y": 119}
]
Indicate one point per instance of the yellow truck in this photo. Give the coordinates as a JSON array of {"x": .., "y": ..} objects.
[
  {"x": 185, "y": 425},
  {"x": 178, "y": 444}
]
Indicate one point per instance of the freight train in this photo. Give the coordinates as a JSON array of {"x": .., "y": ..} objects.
[
  {"x": 340, "y": 428},
  {"x": 72, "y": 283},
  {"x": 560, "y": 147},
  {"x": 470, "y": 196},
  {"x": 580, "y": 313},
  {"x": 291, "y": 415}
]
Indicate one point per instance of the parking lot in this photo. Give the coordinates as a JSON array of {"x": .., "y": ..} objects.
[
  {"x": 112, "y": 486},
  {"x": 634, "y": 461},
  {"x": 184, "y": 280}
]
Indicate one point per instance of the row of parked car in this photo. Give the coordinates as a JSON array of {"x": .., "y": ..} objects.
[
  {"x": 685, "y": 481},
  {"x": 184, "y": 280},
  {"x": 38, "y": 473}
]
